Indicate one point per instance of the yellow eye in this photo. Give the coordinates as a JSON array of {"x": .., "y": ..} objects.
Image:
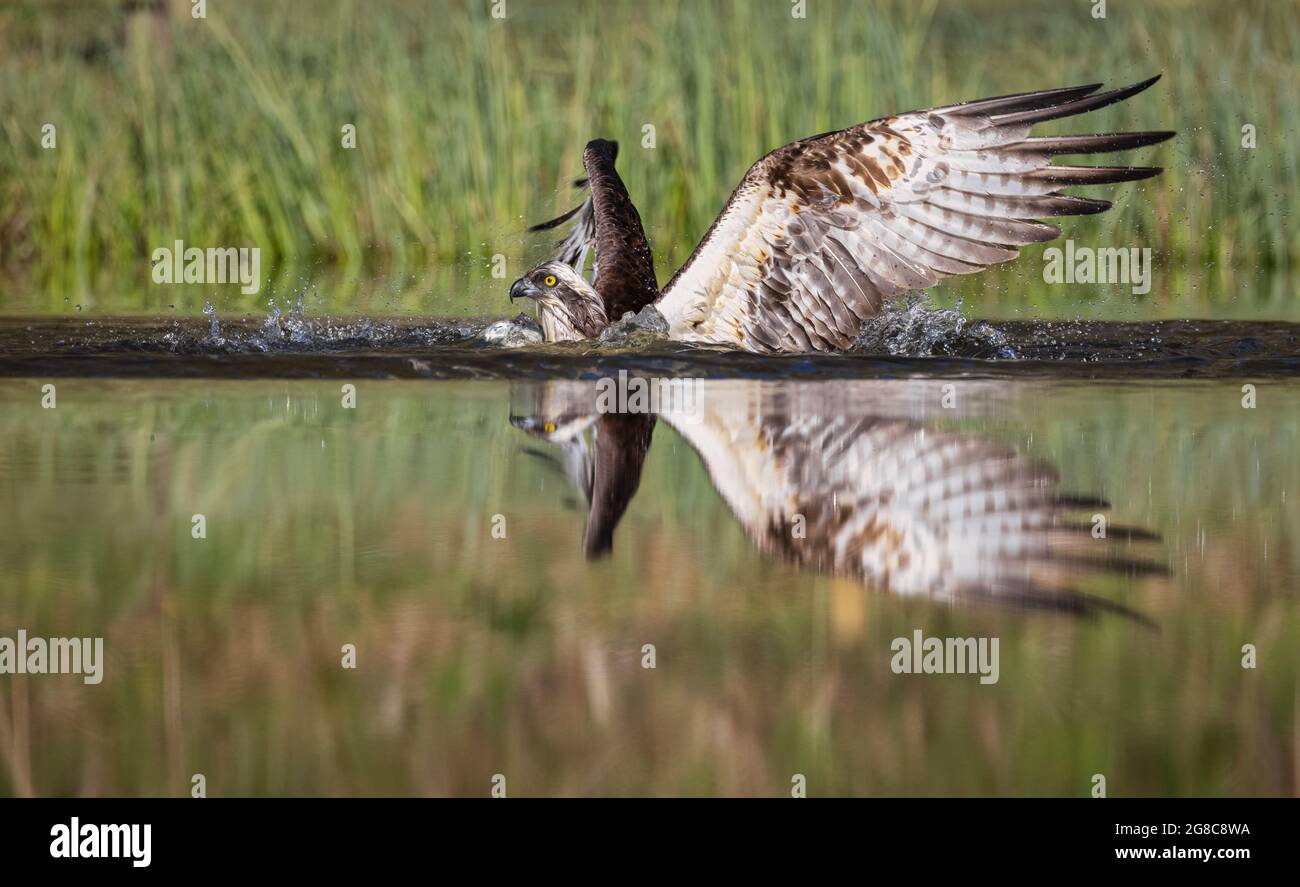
[
  {"x": 550, "y": 280},
  {"x": 549, "y": 426}
]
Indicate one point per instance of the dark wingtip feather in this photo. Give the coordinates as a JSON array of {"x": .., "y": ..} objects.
[
  {"x": 1022, "y": 101},
  {"x": 557, "y": 221},
  {"x": 1091, "y": 207},
  {"x": 1072, "y": 502},
  {"x": 1120, "y": 532},
  {"x": 1091, "y": 144},
  {"x": 1025, "y": 595},
  {"x": 1075, "y": 106},
  {"x": 1132, "y": 534},
  {"x": 1126, "y": 566},
  {"x": 1069, "y": 205},
  {"x": 1094, "y": 175}
]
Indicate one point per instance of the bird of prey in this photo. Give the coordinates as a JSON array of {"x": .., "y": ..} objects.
[
  {"x": 822, "y": 232},
  {"x": 838, "y": 478},
  {"x": 601, "y": 453}
]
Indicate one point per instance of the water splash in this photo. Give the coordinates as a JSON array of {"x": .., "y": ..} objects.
[
  {"x": 293, "y": 328},
  {"x": 214, "y": 325},
  {"x": 517, "y": 333},
  {"x": 910, "y": 327},
  {"x": 287, "y": 328}
]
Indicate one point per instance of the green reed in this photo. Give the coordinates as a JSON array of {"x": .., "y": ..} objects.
[{"x": 227, "y": 131}]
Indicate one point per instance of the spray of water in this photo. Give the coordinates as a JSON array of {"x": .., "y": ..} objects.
[{"x": 910, "y": 327}]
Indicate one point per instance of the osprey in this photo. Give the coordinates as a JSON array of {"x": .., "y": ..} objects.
[
  {"x": 840, "y": 480},
  {"x": 822, "y": 232}
]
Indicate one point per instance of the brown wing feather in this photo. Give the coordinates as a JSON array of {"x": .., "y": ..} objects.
[
  {"x": 622, "y": 442},
  {"x": 820, "y": 233},
  {"x": 905, "y": 507},
  {"x": 625, "y": 272},
  {"x": 608, "y": 222}
]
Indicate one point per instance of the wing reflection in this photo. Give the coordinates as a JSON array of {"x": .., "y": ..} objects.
[{"x": 839, "y": 478}]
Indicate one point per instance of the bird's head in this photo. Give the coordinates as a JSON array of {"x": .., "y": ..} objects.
[{"x": 568, "y": 308}]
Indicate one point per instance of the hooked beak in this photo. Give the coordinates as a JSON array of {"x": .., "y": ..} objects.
[
  {"x": 523, "y": 288},
  {"x": 535, "y": 425}
]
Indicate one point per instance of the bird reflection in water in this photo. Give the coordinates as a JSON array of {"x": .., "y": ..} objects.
[{"x": 839, "y": 478}]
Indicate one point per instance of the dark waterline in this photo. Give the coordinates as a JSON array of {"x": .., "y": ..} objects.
[{"x": 932, "y": 344}]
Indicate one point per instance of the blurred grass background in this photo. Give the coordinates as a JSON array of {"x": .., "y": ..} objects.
[
  {"x": 227, "y": 131},
  {"x": 479, "y": 656}
]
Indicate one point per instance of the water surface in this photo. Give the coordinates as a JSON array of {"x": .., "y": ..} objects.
[{"x": 522, "y": 652}]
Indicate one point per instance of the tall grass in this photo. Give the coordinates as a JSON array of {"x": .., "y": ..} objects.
[{"x": 227, "y": 131}]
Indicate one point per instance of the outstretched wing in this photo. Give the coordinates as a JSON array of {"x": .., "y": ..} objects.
[
  {"x": 608, "y": 222},
  {"x": 902, "y": 506},
  {"x": 820, "y": 233}
]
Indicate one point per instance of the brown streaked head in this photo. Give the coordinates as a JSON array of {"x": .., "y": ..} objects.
[{"x": 568, "y": 308}]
